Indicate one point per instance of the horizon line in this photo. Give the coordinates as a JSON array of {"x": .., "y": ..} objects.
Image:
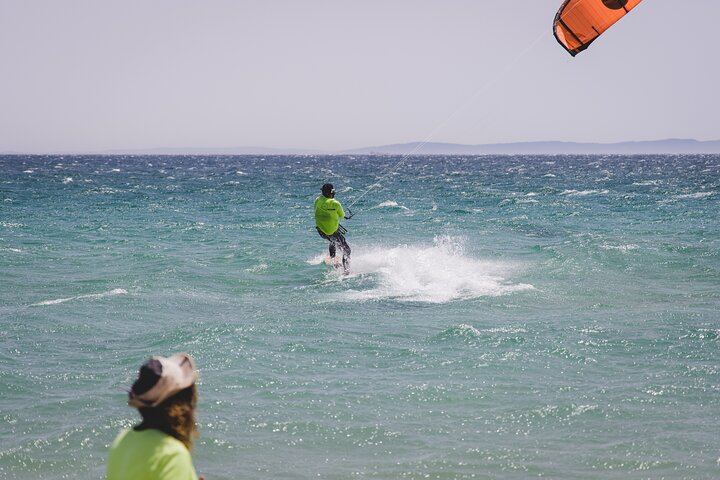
[{"x": 396, "y": 149}]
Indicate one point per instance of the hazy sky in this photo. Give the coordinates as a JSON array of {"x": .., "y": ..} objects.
[{"x": 97, "y": 75}]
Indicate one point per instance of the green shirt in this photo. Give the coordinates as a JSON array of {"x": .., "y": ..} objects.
[
  {"x": 328, "y": 213},
  {"x": 149, "y": 455}
]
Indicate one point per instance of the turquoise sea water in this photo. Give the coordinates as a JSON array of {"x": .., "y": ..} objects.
[{"x": 506, "y": 317}]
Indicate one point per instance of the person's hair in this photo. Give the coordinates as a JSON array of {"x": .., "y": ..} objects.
[
  {"x": 175, "y": 416},
  {"x": 327, "y": 189}
]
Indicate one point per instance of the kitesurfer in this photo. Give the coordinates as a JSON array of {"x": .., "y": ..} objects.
[{"x": 328, "y": 213}]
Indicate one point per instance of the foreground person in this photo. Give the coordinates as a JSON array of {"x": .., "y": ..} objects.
[{"x": 159, "y": 447}]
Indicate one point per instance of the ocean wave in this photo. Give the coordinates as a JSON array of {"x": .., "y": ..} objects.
[
  {"x": 702, "y": 334},
  {"x": 511, "y": 330},
  {"x": 695, "y": 195},
  {"x": 562, "y": 411},
  {"x": 111, "y": 293},
  {"x": 496, "y": 335},
  {"x": 621, "y": 248},
  {"x": 584, "y": 193},
  {"x": 261, "y": 267},
  {"x": 11, "y": 225},
  {"x": 391, "y": 204},
  {"x": 463, "y": 330}
]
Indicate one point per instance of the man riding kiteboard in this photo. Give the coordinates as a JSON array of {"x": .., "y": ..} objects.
[{"x": 328, "y": 213}]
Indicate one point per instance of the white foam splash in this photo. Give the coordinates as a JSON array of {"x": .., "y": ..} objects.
[
  {"x": 438, "y": 273},
  {"x": 117, "y": 291},
  {"x": 317, "y": 260}
]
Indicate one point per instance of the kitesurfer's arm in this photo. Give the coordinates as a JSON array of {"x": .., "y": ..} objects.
[{"x": 339, "y": 210}]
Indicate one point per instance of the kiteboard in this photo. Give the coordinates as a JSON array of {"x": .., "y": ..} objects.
[{"x": 335, "y": 262}]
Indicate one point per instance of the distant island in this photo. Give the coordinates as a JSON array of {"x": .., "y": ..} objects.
[{"x": 667, "y": 146}]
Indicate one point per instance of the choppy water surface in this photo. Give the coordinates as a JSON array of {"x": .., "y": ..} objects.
[{"x": 506, "y": 317}]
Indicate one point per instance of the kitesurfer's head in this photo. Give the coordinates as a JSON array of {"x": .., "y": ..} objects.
[{"x": 328, "y": 190}]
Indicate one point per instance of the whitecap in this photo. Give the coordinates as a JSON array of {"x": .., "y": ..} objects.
[
  {"x": 391, "y": 204},
  {"x": 257, "y": 268},
  {"x": 622, "y": 248},
  {"x": 116, "y": 291},
  {"x": 583, "y": 193},
  {"x": 508, "y": 330},
  {"x": 469, "y": 329},
  {"x": 580, "y": 409},
  {"x": 695, "y": 195}
]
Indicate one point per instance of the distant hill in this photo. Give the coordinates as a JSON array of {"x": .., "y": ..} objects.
[
  {"x": 213, "y": 151},
  {"x": 669, "y": 146}
]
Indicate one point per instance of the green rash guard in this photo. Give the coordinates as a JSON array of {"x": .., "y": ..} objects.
[
  {"x": 328, "y": 213},
  {"x": 149, "y": 455}
]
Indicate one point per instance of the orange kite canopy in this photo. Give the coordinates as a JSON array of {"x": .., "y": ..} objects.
[{"x": 579, "y": 22}]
